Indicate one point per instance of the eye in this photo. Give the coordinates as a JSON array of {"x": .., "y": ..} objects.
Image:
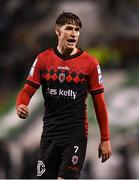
[
  {"x": 69, "y": 28},
  {"x": 77, "y": 29}
]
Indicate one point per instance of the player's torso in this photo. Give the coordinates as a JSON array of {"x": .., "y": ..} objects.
[
  {"x": 64, "y": 78},
  {"x": 64, "y": 86}
]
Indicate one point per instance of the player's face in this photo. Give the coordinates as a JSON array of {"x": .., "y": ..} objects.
[{"x": 68, "y": 36}]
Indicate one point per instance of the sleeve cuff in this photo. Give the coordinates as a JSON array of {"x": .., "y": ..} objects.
[
  {"x": 98, "y": 91},
  {"x": 35, "y": 85}
]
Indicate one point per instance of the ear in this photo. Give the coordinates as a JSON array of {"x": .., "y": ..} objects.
[{"x": 57, "y": 31}]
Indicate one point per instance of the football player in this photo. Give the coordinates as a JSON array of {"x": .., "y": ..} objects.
[{"x": 67, "y": 74}]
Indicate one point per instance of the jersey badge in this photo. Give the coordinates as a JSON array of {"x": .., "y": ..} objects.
[
  {"x": 75, "y": 159},
  {"x": 61, "y": 77}
]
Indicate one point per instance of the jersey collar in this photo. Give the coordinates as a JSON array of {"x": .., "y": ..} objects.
[{"x": 67, "y": 57}]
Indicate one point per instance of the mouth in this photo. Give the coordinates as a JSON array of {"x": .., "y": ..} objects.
[{"x": 71, "y": 40}]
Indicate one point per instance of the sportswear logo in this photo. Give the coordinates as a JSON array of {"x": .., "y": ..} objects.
[
  {"x": 40, "y": 168},
  {"x": 75, "y": 159},
  {"x": 61, "y": 77},
  {"x": 64, "y": 67}
]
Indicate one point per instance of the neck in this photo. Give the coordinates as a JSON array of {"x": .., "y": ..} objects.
[{"x": 67, "y": 52}]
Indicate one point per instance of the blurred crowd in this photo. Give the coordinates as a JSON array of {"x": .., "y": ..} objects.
[
  {"x": 18, "y": 47},
  {"x": 26, "y": 28}
]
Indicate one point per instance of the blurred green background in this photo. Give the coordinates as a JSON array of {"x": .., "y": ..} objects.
[{"x": 110, "y": 33}]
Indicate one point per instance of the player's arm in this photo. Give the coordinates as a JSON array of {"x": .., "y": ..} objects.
[
  {"x": 96, "y": 88},
  {"x": 23, "y": 99},
  {"x": 32, "y": 84},
  {"x": 104, "y": 150}
]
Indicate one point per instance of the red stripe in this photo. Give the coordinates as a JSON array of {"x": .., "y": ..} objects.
[{"x": 86, "y": 122}]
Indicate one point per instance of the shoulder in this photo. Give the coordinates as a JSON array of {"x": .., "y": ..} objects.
[
  {"x": 42, "y": 58},
  {"x": 92, "y": 60},
  {"x": 44, "y": 54}
]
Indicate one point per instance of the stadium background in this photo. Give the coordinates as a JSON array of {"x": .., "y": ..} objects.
[{"x": 111, "y": 33}]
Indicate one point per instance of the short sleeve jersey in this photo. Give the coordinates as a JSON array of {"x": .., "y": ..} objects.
[{"x": 65, "y": 83}]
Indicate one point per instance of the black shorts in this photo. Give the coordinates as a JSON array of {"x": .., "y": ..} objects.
[{"x": 59, "y": 160}]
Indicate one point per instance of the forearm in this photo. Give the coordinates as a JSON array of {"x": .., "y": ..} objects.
[
  {"x": 101, "y": 115},
  {"x": 24, "y": 96}
]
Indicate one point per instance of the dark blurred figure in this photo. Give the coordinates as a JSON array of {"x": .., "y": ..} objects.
[
  {"x": 127, "y": 151},
  {"x": 126, "y": 172},
  {"x": 30, "y": 157},
  {"x": 5, "y": 161},
  {"x": 87, "y": 172}
]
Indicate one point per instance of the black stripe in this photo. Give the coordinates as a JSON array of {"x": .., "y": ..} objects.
[
  {"x": 67, "y": 57},
  {"x": 95, "y": 92},
  {"x": 32, "y": 84}
]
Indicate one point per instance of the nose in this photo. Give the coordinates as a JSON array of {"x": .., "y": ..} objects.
[{"x": 73, "y": 34}]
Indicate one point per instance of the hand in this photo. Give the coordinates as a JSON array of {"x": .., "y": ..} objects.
[
  {"x": 22, "y": 111},
  {"x": 104, "y": 150}
]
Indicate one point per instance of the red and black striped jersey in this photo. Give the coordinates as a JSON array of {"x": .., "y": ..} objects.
[{"x": 65, "y": 83}]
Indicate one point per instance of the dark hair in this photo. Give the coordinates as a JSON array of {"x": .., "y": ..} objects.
[{"x": 69, "y": 18}]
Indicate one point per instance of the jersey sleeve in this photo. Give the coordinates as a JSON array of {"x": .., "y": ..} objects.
[
  {"x": 33, "y": 78},
  {"x": 95, "y": 79}
]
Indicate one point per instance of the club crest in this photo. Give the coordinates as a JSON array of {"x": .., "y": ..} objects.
[
  {"x": 61, "y": 77},
  {"x": 75, "y": 160}
]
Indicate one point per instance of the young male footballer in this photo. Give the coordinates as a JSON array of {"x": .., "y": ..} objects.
[{"x": 66, "y": 74}]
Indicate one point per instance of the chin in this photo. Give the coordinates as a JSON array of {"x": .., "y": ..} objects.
[{"x": 71, "y": 47}]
